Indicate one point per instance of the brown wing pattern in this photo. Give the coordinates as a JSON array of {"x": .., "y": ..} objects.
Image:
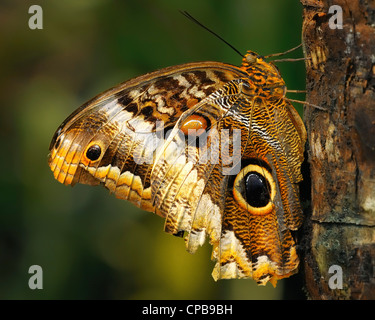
[
  {"x": 121, "y": 119},
  {"x": 256, "y": 241},
  {"x": 235, "y": 181}
]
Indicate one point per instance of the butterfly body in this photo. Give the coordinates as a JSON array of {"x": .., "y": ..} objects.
[{"x": 195, "y": 144}]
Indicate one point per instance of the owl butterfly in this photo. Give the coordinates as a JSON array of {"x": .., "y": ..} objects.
[{"x": 212, "y": 148}]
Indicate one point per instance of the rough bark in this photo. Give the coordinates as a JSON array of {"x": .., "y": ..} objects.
[{"x": 341, "y": 152}]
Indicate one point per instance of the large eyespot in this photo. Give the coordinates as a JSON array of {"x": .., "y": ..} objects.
[
  {"x": 255, "y": 189},
  {"x": 93, "y": 152}
]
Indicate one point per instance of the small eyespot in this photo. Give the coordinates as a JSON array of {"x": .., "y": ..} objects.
[
  {"x": 194, "y": 125},
  {"x": 93, "y": 152}
]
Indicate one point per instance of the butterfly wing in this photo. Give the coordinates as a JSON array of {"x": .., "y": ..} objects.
[
  {"x": 256, "y": 239},
  {"x": 112, "y": 139},
  {"x": 131, "y": 139}
]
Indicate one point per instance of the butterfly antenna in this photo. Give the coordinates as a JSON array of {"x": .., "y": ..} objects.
[
  {"x": 283, "y": 53},
  {"x": 290, "y": 60},
  {"x": 189, "y": 16},
  {"x": 296, "y": 91},
  {"x": 307, "y": 104}
]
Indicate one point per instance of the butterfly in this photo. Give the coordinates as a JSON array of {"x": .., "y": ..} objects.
[{"x": 214, "y": 149}]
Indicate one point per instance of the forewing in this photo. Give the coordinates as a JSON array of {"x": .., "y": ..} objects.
[
  {"x": 189, "y": 180},
  {"x": 113, "y": 139}
]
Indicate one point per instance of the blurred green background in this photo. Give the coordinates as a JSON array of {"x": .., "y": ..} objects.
[{"x": 89, "y": 244}]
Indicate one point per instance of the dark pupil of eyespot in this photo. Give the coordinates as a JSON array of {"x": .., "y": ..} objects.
[
  {"x": 93, "y": 153},
  {"x": 257, "y": 190}
]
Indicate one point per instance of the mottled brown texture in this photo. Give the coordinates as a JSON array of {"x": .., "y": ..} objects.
[
  {"x": 340, "y": 78},
  {"x": 101, "y": 142}
]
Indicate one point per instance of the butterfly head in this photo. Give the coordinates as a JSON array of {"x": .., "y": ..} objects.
[
  {"x": 263, "y": 74},
  {"x": 251, "y": 58}
]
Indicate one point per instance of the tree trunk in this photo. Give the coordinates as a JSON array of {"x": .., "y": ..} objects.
[{"x": 339, "y": 258}]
